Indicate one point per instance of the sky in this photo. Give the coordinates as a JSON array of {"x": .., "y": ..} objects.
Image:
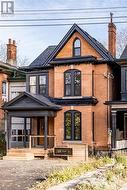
[{"x": 31, "y": 41}]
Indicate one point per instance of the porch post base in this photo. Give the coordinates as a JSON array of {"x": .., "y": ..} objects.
[{"x": 45, "y": 154}]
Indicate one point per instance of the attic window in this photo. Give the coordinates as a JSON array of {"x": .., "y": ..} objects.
[{"x": 76, "y": 47}]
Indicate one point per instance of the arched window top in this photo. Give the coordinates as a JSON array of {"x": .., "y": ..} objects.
[
  {"x": 72, "y": 82},
  {"x": 77, "y": 43},
  {"x": 72, "y": 71},
  {"x": 72, "y": 111},
  {"x": 77, "y": 47}
]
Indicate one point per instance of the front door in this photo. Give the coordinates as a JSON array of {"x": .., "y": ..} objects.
[
  {"x": 18, "y": 133},
  {"x": 40, "y": 131}
]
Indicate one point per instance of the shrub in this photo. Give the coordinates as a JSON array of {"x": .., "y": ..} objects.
[
  {"x": 2, "y": 144},
  {"x": 121, "y": 159}
]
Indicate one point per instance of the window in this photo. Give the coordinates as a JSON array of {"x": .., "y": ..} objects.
[
  {"x": 77, "y": 47},
  {"x": 43, "y": 84},
  {"x": 72, "y": 80},
  {"x": 72, "y": 125},
  {"x": 4, "y": 87},
  {"x": 38, "y": 84},
  {"x": 33, "y": 84},
  {"x": 14, "y": 94},
  {"x": 17, "y": 132},
  {"x": 126, "y": 80}
]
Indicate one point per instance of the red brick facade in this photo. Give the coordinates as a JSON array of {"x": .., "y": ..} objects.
[{"x": 56, "y": 89}]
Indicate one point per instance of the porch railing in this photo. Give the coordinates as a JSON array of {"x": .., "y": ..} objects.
[{"x": 37, "y": 141}]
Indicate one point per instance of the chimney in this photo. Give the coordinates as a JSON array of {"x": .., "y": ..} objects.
[
  {"x": 11, "y": 52},
  {"x": 112, "y": 37}
]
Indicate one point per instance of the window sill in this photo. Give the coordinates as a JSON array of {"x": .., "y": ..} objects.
[
  {"x": 72, "y": 142},
  {"x": 70, "y": 97}
]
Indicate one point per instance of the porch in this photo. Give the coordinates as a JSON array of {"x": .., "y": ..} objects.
[
  {"x": 119, "y": 125},
  {"x": 30, "y": 129}
]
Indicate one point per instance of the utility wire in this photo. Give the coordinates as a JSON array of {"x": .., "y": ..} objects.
[
  {"x": 61, "y": 24},
  {"x": 72, "y": 9},
  {"x": 60, "y": 19},
  {"x": 56, "y": 13},
  {"x": 65, "y": 13}
]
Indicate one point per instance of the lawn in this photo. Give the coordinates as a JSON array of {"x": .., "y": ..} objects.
[{"x": 72, "y": 172}]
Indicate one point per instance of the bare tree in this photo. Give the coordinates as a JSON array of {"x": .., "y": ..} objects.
[
  {"x": 21, "y": 61},
  {"x": 3, "y": 55},
  {"x": 121, "y": 41}
]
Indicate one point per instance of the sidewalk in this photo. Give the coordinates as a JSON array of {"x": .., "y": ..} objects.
[
  {"x": 87, "y": 176},
  {"x": 124, "y": 187}
]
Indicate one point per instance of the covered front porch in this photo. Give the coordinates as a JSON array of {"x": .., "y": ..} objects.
[
  {"x": 118, "y": 125},
  {"x": 30, "y": 124}
]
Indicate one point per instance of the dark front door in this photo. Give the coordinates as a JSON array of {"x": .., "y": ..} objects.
[{"x": 40, "y": 131}]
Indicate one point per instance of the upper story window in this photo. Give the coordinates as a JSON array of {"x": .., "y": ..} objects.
[
  {"x": 38, "y": 84},
  {"x": 4, "y": 87},
  {"x": 32, "y": 84},
  {"x": 72, "y": 83},
  {"x": 77, "y": 47},
  {"x": 72, "y": 125},
  {"x": 42, "y": 84}
]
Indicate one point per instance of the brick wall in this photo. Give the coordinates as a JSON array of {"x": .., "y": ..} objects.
[
  {"x": 3, "y": 77},
  {"x": 101, "y": 88},
  {"x": 86, "y": 49}
]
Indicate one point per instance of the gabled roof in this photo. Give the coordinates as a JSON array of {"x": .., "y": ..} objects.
[
  {"x": 42, "y": 58},
  {"x": 92, "y": 41},
  {"x": 124, "y": 53},
  {"x": 47, "y": 56},
  {"x": 27, "y": 101}
]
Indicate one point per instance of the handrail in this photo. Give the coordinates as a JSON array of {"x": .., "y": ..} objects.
[
  {"x": 42, "y": 135},
  {"x": 36, "y": 136}
]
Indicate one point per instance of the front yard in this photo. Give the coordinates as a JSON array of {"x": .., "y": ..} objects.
[
  {"x": 109, "y": 179},
  {"x": 21, "y": 175}
]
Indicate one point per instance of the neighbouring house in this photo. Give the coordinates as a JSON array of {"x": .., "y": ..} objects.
[
  {"x": 119, "y": 108},
  {"x": 12, "y": 81},
  {"x": 63, "y": 105}
]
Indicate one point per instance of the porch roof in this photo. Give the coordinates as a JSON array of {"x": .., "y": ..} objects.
[
  {"x": 120, "y": 105},
  {"x": 27, "y": 101}
]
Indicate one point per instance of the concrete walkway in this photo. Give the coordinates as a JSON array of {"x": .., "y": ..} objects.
[
  {"x": 87, "y": 176},
  {"x": 124, "y": 187}
]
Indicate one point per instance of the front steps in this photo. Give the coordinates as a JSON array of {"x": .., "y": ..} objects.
[
  {"x": 25, "y": 154},
  {"x": 19, "y": 154}
]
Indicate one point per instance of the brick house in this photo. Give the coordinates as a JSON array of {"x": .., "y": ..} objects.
[
  {"x": 66, "y": 88},
  {"x": 12, "y": 80},
  {"x": 119, "y": 108}
]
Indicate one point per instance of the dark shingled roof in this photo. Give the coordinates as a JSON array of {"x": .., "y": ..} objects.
[
  {"x": 43, "y": 101},
  {"x": 41, "y": 59},
  {"x": 124, "y": 54},
  {"x": 45, "y": 58}
]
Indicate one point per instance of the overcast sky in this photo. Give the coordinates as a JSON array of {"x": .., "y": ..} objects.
[{"x": 32, "y": 41}]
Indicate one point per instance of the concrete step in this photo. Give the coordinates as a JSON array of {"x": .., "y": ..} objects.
[
  {"x": 19, "y": 150},
  {"x": 19, "y": 154},
  {"x": 18, "y": 158},
  {"x": 25, "y": 154}
]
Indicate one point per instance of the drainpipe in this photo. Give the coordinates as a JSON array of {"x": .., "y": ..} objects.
[{"x": 108, "y": 76}]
